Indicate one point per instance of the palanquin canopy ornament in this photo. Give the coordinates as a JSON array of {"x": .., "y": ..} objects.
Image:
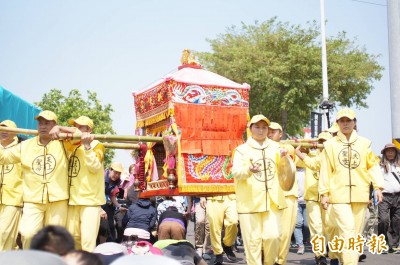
[{"x": 205, "y": 115}]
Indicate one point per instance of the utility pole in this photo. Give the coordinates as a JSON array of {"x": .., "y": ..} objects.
[
  {"x": 325, "y": 92},
  {"x": 325, "y": 105},
  {"x": 393, "y": 13}
]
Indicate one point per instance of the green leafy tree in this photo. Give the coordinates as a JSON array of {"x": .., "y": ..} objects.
[
  {"x": 282, "y": 63},
  {"x": 73, "y": 106}
]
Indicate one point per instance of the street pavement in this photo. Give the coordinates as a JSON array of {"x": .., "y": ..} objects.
[{"x": 306, "y": 259}]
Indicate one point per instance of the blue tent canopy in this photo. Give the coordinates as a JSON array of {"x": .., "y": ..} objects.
[{"x": 18, "y": 110}]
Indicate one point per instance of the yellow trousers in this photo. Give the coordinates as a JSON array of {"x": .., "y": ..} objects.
[
  {"x": 83, "y": 223},
  {"x": 9, "y": 221},
  {"x": 289, "y": 217},
  {"x": 330, "y": 231},
  {"x": 222, "y": 213},
  {"x": 348, "y": 219},
  {"x": 316, "y": 220},
  {"x": 35, "y": 216},
  {"x": 261, "y": 231}
]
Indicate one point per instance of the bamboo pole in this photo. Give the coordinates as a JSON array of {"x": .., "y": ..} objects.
[
  {"x": 18, "y": 130},
  {"x": 307, "y": 145},
  {"x": 121, "y": 146},
  {"x": 122, "y": 138},
  {"x": 314, "y": 140},
  {"x": 100, "y": 137}
]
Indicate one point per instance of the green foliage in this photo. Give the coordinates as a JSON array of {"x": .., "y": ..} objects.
[
  {"x": 282, "y": 63},
  {"x": 74, "y": 106}
]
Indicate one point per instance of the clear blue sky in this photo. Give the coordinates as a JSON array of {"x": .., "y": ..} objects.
[{"x": 117, "y": 47}]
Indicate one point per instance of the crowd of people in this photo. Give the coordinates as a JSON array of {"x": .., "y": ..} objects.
[{"x": 56, "y": 196}]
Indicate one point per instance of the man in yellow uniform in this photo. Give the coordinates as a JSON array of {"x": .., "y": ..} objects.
[
  {"x": 86, "y": 185},
  {"x": 10, "y": 193},
  {"x": 315, "y": 214},
  {"x": 260, "y": 199},
  {"x": 45, "y": 186},
  {"x": 348, "y": 167},
  {"x": 289, "y": 215},
  {"x": 221, "y": 212}
]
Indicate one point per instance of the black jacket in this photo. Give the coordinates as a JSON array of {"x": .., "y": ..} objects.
[{"x": 142, "y": 215}]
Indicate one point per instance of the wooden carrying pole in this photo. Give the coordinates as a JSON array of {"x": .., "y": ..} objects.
[
  {"x": 307, "y": 145},
  {"x": 314, "y": 140},
  {"x": 121, "y": 146},
  {"x": 123, "y": 140},
  {"x": 18, "y": 130}
]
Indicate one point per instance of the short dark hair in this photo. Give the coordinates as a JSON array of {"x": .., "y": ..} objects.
[
  {"x": 53, "y": 238},
  {"x": 82, "y": 257}
]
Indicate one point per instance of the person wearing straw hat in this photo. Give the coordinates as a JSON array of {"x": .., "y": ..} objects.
[
  {"x": 10, "y": 193},
  {"x": 316, "y": 216},
  {"x": 45, "y": 186},
  {"x": 112, "y": 179},
  {"x": 348, "y": 167},
  {"x": 86, "y": 185},
  {"x": 289, "y": 215},
  {"x": 389, "y": 209},
  {"x": 260, "y": 199}
]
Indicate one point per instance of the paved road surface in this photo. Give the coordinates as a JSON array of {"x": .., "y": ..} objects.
[{"x": 307, "y": 258}]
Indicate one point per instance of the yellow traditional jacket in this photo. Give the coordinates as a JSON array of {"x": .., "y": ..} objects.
[
  {"x": 256, "y": 191},
  {"x": 312, "y": 161},
  {"x": 44, "y": 169},
  {"x": 294, "y": 191},
  {"x": 86, "y": 175},
  {"x": 348, "y": 167},
  {"x": 11, "y": 182}
]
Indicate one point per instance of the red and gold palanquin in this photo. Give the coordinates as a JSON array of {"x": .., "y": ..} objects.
[{"x": 208, "y": 114}]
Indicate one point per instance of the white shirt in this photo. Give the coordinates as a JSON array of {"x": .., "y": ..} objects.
[{"x": 391, "y": 184}]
